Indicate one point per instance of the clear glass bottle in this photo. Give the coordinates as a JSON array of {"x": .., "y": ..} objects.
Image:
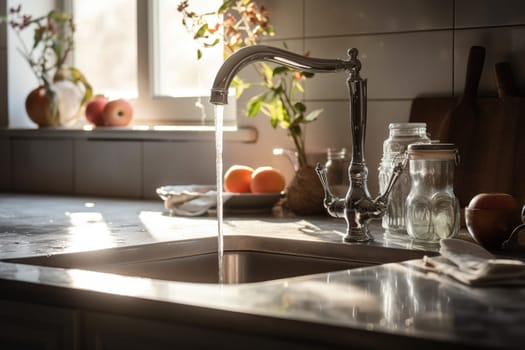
[
  {"x": 432, "y": 208},
  {"x": 336, "y": 166},
  {"x": 400, "y": 136}
]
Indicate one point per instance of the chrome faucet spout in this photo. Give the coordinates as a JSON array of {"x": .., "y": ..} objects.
[
  {"x": 250, "y": 54},
  {"x": 357, "y": 208}
]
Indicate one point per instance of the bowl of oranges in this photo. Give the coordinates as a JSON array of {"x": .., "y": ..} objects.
[{"x": 252, "y": 189}]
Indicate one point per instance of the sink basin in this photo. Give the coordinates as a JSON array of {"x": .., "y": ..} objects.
[{"x": 246, "y": 259}]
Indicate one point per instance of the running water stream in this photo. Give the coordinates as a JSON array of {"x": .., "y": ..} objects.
[{"x": 219, "y": 116}]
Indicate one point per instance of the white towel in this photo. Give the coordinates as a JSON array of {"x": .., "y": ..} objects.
[
  {"x": 471, "y": 264},
  {"x": 190, "y": 200}
]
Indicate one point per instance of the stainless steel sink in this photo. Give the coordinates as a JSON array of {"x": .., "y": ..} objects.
[{"x": 246, "y": 259}]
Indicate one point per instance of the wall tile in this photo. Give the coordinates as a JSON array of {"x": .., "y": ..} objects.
[
  {"x": 343, "y": 17},
  {"x": 42, "y": 165},
  {"x": 397, "y": 66},
  {"x": 177, "y": 163},
  {"x": 108, "y": 168},
  {"x": 5, "y": 164},
  {"x": 479, "y": 13},
  {"x": 4, "y": 4},
  {"x": 502, "y": 44},
  {"x": 286, "y": 17},
  {"x": 3, "y": 27}
]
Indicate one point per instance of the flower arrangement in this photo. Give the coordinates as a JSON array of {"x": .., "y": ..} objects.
[
  {"x": 240, "y": 23},
  {"x": 48, "y": 59}
]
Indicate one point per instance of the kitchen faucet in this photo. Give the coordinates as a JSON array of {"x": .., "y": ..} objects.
[{"x": 357, "y": 208}]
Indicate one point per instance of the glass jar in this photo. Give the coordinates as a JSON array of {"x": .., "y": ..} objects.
[
  {"x": 337, "y": 163},
  {"x": 400, "y": 136},
  {"x": 432, "y": 208}
]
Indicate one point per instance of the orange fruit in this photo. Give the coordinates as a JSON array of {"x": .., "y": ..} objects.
[
  {"x": 267, "y": 180},
  {"x": 237, "y": 179}
]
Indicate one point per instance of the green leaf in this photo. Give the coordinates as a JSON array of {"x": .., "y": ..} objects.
[
  {"x": 267, "y": 71},
  {"x": 299, "y": 106},
  {"x": 295, "y": 130},
  {"x": 274, "y": 122},
  {"x": 277, "y": 90},
  {"x": 202, "y": 30},
  {"x": 199, "y": 54},
  {"x": 310, "y": 117},
  {"x": 254, "y": 106},
  {"x": 213, "y": 43},
  {"x": 298, "y": 86},
  {"x": 224, "y": 7},
  {"x": 76, "y": 77},
  {"x": 280, "y": 69},
  {"x": 239, "y": 85},
  {"x": 58, "y": 47},
  {"x": 37, "y": 37}
]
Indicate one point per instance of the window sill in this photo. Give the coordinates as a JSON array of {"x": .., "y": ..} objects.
[{"x": 138, "y": 133}]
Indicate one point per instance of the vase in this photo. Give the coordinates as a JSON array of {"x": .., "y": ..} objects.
[
  {"x": 68, "y": 104},
  {"x": 305, "y": 195}
]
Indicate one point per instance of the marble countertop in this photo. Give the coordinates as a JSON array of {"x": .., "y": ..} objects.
[{"x": 394, "y": 302}]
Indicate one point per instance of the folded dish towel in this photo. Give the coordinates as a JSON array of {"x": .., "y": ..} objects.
[
  {"x": 471, "y": 264},
  {"x": 190, "y": 200}
]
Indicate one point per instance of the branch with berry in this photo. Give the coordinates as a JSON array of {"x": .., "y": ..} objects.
[{"x": 49, "y": 53}]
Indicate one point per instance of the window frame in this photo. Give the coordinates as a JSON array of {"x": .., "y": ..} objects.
[{"x": 162, "y": 110}]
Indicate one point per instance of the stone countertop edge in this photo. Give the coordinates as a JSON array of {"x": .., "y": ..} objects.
[{"x": 395, "y": 303}]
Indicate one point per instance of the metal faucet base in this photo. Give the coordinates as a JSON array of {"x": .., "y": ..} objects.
[{"x": 357, "y": 236}]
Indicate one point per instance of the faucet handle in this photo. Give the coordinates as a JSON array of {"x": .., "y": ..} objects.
[
  {"x": 335, "y": 206},
  {"x": 323, "y": 177},
  {"x": 396, "y": 172},
  {"x": 354, "y": 63}
]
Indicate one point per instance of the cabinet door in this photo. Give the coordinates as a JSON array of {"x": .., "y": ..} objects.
[
  {"x": 108, "y": 168},
  {"x": 5, "y": 164},
  {"x": 112, "y": 332},
  {"x": 42, "y": 165},
  {"x": 28, "y": 326}
]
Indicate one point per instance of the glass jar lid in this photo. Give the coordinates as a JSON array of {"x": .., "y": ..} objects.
[{"x": 438, "y": 151}]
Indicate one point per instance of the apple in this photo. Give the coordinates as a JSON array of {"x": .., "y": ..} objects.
[
  {"x": 495, "y": 200},
  {"x": 94, "y": 110},
  {"x": 117, "y": 113},
  {"x": 491, "y": 217}
]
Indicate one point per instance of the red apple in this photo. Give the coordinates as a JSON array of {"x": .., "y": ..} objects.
[
  {"x": 491, "y": 217},
  {"x": 117, "y": 113},
  {"x": 94, "y": 110},
  {"x": 493, "y": 200}
]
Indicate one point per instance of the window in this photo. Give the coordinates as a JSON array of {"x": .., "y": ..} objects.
[{"x": 140, "y": 50}]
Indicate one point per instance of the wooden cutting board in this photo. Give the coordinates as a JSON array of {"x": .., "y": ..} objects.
[
  {"x": 432, "y": 110},
  {"x": 489, "y": 133}
]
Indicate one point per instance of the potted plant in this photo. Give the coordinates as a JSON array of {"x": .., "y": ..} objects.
[
  {"x": 239, "y": 23},
  {"x": 62, "y": 89}
]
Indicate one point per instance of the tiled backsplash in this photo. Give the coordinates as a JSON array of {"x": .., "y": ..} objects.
[{"x": 408, "y": 48}]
